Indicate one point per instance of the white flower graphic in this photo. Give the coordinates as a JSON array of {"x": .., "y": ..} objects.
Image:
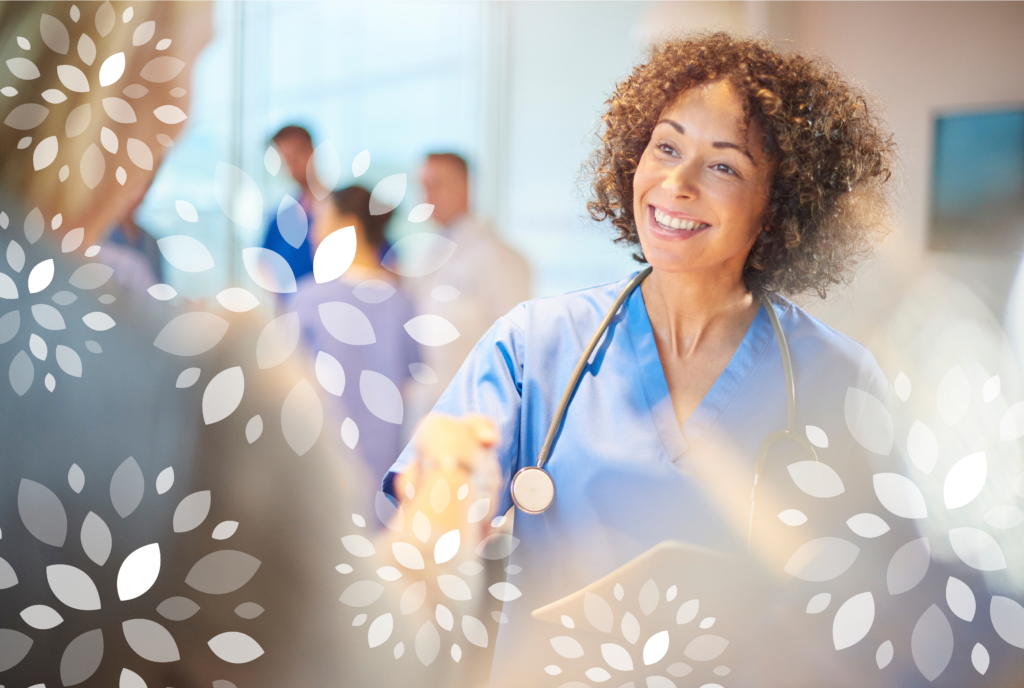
[
  {"x": 423, "y": 547},
  {"x": 37, "y": 288},
  {"x": 217, "y": 573},
  {"x": 111, "y": 82}
]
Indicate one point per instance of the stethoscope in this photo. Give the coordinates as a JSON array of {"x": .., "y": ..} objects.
[{"x": 533, "y": 488}]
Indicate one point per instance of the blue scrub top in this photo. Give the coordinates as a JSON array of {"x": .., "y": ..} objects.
[{"x": 627, "y": 476}]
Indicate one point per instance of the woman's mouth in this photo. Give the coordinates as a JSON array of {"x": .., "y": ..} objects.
[{"x": 675, "y": 225}]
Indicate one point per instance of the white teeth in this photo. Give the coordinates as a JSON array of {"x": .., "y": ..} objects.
[{"x": 669, "y": 222}]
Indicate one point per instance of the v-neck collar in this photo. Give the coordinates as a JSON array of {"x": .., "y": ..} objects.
[{"x": 678, "y": 440}]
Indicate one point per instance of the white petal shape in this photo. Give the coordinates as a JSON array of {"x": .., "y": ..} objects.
[
  {"x": 867, "y": 525},
  {"x": 454, "y": 587},
  {"x": 470, "y": 568},
  {"x": 822, "y": 559},
  {"x": 138, "y": 572},
  {"x": 34, "y": 226},
  {"x": 902, "y": 386},
  {"x": 92, "y": 166},
  {"x": 185, "y": 253},
  {"x": 793, "y": 517},
  {"x": 630, "y": 628},
  {"x": 164, "y": 44},
  {"x": 931, "y": 643},
  {"x": 389, "y": 573},
  {"x": 965, "y": 480},
  {"x": 169, "y": 114},
  {"x": 598, "y": 612},
  {"x": 419, "y": 254},
  {"x": 8, "y": 289},
  {"x": 292, "y": 222},
  {"x": 817, "y": 436},
  {"x": 302, "y": 417},
  {"x": 421, "y": 526},
  {"x": 407, "y": 555},
  {"x": 413, "y": 598},
  {"x": 224, "y": 530},
  {"x": 447, "y": 546},
  {"x": 506, "y": 592},
  {"x": 187, "y": 378},
  {"x": 112, "y": 69},
  {"x": 334, "y": 255},
  {"x": 361, "y": 163},
  {"x": 191, "y": 511},
  {"x": 818, "y": 603},
  {"x": 1011, "y": 426},
  {"x": 899, "y": 495},
  {"x": 324, "y": 170},
  {"x": 143, "y": 33},
  {"x": 41, "y": 617},
  {"x": 358, "y": 546},
  {"x": 40, "y": 277},
  {"x": 445, "y": 293},
  {"x": 960, "y": 599},
  {"x": 86, "y": 49},
  {"x": 346, "y": 323},
  {"x": 977, "y": 549},
  {"x": 1004, "y": 517},
  {"x": 269, "y": 270},
  {"x": 387, "y": 194},
  {"x": 922, "y": 446},
  {"x": 164, "y": 480},
  {"x": 687, "y": 611},
  {"x": 373, "y": 291},
  {"x": 72, "y": 240},
  {"x": 73, "y": 587},
  {"x": 191, "y": 334},
  {"x": 160, "y": 70},
  {"x": 239, "y": 198},
  {"x": 140, "y": 154},
  {"x": 1008, "y": 620},
  {"x": 597, "y": 675},
  {"x": 421, "y": 212},
  {"x": 223, "y": 395},
  {"x": 953, "y": 396},
  {"x": 272, "y": 161},
  {"x": 991, "y": 389},
  {"x": 72, "y": 78},
  {"x": 37, "y": 346},
  {"x": 234, "y": 647},
  {"x": 868, "y": 421},
  {"x": 704, "y": 648},
  {"x": 22, "y": 68},
  {"x": 440, "y": 496},
  {"x": 380, "y": 630},
  {"x": 431, "y": 330},
  {"x": 21, "y": 373},
  {"x": 497, "y": 546},
  {"x": 119, "y": 110},
  {"x": 908, "y": 566},
  {"x": 423, "y": 373},
  {"x": 127, "y": 487},
  {"x": 68, "y": 360},
  {"x": 76, "y": 478},
  {"x": 10, "y": 323},
  {"x": 679, "y": 669},
  {"x": 278, "y": 340},
  {"x": 42, "y": 513},
  {"x": 649, "y": 597},
  {"x": 816, "y": 479},
  {"x": 617, "y": 657},
  {"x": 162, "y": 292},
  {"x": 96, "y": 540},
  {"x": 381, "y": 397},
  {"x": 129, "y": 679},
  {"x": 853, "y": 620},
  {"x": 656, "y": 648},
  {"x": 253, "y": 429},
  {"x": 45, "y": 153},
  {"x": 330, "y": 374},
  {"x": 50, "y": 318},
  {"x": 567, "y": 647},
  {"x": 884, "y": 654},
  {"x": 479, "y": 510},
  {"x": 475, "y": 631},
  {"x": 105, "y": 18},
  {"x": 980, "y": 658},
  {"x": 238, "y": 300},
  {"x": 428, "y": 644},
  {"x": 362, "y": 593}
]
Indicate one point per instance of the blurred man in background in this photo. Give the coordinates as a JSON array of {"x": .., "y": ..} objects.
[{"x": 295, "y": 146}]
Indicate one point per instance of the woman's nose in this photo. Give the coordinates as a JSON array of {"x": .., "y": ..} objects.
[{"x": 682, "y": 180}]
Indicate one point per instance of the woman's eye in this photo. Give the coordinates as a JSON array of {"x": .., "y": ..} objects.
[
  {"x": 722, "y": 167},
  {"x": 666, "y": 148}
]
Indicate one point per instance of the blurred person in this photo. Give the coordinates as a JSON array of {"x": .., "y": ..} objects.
[
  {"x": 130, "y": 250},
  {"x": 295, "y": 145},
  {"x": 369, "y": 368},
  {"x": 489, "y": 276},
  {"x": 105, "y": 455}
]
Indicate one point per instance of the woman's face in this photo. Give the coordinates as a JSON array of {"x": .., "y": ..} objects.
[{"x": 701, "y": 189}]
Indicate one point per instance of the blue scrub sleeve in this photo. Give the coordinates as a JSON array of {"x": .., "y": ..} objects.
[{"x": 490, "y": 382}]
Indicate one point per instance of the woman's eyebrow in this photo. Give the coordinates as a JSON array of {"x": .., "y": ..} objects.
[{"x": 717, "y": 144}]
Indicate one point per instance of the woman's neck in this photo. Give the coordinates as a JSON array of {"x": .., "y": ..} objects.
[
  {"x": 367, "y": 260},
  {"x": 687, "y": 310}
]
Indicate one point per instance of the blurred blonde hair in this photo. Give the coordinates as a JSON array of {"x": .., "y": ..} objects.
[{"x": 186, "y": 24}]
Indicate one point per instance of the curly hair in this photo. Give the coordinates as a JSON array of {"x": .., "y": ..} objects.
[{"x": 829, "y": 201}]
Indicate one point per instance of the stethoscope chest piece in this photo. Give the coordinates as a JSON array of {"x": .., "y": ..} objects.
[{"x": 533, "y": 490}]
